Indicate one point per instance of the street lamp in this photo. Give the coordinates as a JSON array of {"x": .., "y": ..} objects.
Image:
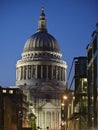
[
  {"x": 64, "y": 110},
  {"x": 65, "y": 97}
]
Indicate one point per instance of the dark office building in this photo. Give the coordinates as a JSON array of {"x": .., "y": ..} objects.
[
  {"x": 81, "y": 91},
  {"x": 78, "y": 119},
  {"x": 92, "y": 53},
  {"x": 10, "y": 109}
]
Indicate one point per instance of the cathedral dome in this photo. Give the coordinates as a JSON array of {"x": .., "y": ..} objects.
[{"x": 41, "y": 41}]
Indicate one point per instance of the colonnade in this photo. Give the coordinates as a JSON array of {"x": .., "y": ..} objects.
[
  {"x": 47, "y": 72},
  {"x": 49, "y": 119}
]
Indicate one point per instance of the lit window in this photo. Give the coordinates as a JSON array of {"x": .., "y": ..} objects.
[
  {"x": 85, "y": 79},
  {"x": 10, "y": 91},
  {"x": 4, "y": 90}
]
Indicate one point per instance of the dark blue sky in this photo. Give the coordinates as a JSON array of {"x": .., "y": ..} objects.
[{"x": 71, "y": 22}]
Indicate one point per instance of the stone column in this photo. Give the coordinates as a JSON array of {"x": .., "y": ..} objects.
[
  {"x": 31, "y": 72},
  {"x": 26, "y": 72},
  {"x": 51, "y": 119},
  {"x": 59, "y": 117},
  {"x": 60, "y": 73},
  {"x": 64, "y": 74},
  {"x": 23, "y": 73},
  {"x": 51, "y": 72},
  {"x": 41, "y": 71},
  {"x": 55, "y": 119},
  {"x": 57, "y": 72},
  {"x": 19, "y": 72},
  {"x": 36, "y": 71},
  {"x": 47, "y": 72},
  {"x": 45, "y": 118}
]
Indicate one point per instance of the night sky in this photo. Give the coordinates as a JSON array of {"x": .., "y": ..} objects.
[{"x": 71, "y": 22}]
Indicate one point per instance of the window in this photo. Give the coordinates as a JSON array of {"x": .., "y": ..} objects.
[
  {"x": 4, "y": 91},
  {"x": 10, "y": 91}
]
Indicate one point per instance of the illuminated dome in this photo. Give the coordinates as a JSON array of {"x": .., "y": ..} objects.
[{"x": 41, "y": 41}]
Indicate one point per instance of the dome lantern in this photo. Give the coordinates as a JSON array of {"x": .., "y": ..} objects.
[{"x": 42, "y": 22}]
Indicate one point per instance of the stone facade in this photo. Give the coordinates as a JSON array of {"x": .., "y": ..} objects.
[{"x": 41, "y": 74}]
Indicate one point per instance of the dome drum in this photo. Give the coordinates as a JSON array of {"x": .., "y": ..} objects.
[
  {"x": 40, "y": 73},
  {"x": 41, "y": 54}
]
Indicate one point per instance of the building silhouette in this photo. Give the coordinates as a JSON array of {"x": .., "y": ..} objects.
[
  {"x": 78, "y": 116},
  {"x": 41, "y": 74},
  {"x": 11, "y": 108},
  {"x": 92, "y": 54},
  {"x": 84, "y": 101}
]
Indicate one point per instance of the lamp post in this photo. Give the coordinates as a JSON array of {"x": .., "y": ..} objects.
[{"x": 64, "y": 111}]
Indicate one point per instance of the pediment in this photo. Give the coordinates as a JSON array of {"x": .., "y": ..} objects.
[{"x": 49, "y": 106}]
